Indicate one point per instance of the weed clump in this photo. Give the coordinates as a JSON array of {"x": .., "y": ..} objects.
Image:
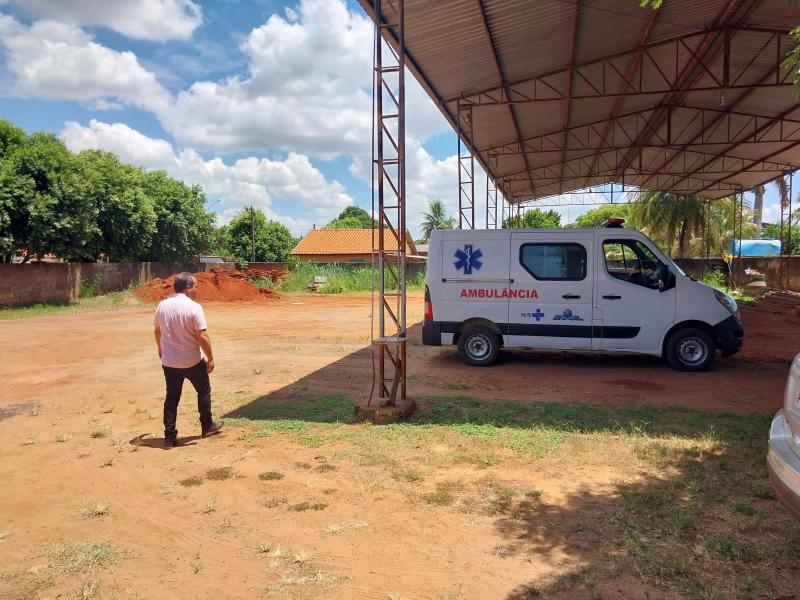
[
  {"x": 192, "y": 481},
  {"x": 219, "y": 474}
]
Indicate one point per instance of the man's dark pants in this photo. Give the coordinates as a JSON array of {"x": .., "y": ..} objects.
[{"x": 198, "y": 375}]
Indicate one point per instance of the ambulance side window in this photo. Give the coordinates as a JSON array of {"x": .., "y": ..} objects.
[
  {"x": 632, "y": 261},
  {"x": 554, "y": 262}
]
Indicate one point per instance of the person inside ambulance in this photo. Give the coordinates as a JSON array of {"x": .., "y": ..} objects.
[{"x": 630, "y": 261}]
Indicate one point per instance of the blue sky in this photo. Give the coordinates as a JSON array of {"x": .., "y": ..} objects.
[{"x": 261, "y": 102}]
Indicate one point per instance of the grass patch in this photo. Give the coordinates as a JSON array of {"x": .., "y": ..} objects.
[
  {"x": 106, "y": 302},
  {"x": 409, "y": 474},
  {"x": 335, "y": 528},
  {"x": 270, "y": 476},
  {"x": 745, "y": 508},
  {"x": 192, "y": 481},
  {"x": 67, "y": 558},
  {"x": 219, "y": 474},
  {"x": 263, "y": 282},
  {"x": 296, "y": 415},
  {"x": 341, "y": 279},
  {"x": 296, "y": 571},
  {"x": 324, "y": 468},
  {"x": 94, "y": 510},
  {"x": 763, "y": 489},
  {"x": 98, "y": 434},
  {"x": 275, "y": 502},
  {"x": 444, "y": 494},
  {"x": 304, "y": 506},
  {"x": 730, "y": 548}
]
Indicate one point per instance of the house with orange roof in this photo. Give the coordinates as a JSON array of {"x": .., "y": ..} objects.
[{"x": 353, "y": 246}]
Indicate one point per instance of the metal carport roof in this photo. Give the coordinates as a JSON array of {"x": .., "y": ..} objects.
[{"x": 553, "y": 96}]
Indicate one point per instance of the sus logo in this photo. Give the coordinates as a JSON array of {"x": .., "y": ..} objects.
[{"x": 468, "y": 259}]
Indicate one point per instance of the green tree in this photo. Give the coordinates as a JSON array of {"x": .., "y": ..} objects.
[
  {"x": 126, "y": 217},
  {"x": 183, "y": 227},
  {"x": 773, "y": 231},
  {"x": 10, "y": 137},
  {"x": 47, "y": 204},
  {"x": 435, "y": 218},
  {"x": 219, "y": 242},
  {"x": 352, "y": 217},
  {"x": 273, "y": 241},
  {"x": 597, "y": 216},
  {"x": 534, "y": 218}
]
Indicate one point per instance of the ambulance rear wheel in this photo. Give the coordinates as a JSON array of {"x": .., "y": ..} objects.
[
  {"x": 690, "y": 349},
  {"x": 478, "y": 346}
]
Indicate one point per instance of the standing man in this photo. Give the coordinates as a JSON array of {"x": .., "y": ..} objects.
[{"x": 181, "y": 333}]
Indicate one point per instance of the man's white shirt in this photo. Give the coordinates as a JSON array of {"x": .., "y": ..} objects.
[{"x": 180, "y": 319}]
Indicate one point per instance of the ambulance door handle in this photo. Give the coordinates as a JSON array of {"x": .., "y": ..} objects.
[
  {"x": 571, "y": 296},
  {"x": 612, "y": 297}
]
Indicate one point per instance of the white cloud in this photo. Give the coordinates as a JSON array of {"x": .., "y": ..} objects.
[
  {"x": 130, "y": 145},
  {"x": 307, "y": 89},
  {"x": 55, "y": 60},
  {"x": 157, "y": 20},
  {"x": 248, "y": 181}
]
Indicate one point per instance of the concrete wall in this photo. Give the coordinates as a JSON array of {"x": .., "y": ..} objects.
[
  {"x": 34, "y": 283},
  {"x": 770, "y": 266}
]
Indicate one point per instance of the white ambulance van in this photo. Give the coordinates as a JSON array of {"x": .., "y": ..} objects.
[{"x": 608, "y": 289}]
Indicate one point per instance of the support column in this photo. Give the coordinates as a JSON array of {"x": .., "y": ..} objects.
[
  {"x": 785, "y": 188},
  {"x": 491, "y": 203},
  {"x": 739, "y": 265},
  {"x": 389, "y": 164},
  {"x": 466, "y": 169}
]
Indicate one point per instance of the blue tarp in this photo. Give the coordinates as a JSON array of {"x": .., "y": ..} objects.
[{"x": 756, "y": 247}]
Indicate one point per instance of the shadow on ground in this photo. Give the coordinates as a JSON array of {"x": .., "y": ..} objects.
[{"x": 700, "y": 520}]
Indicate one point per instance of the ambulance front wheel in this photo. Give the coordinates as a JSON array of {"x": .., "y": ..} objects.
[
  {"x": 478, "y": 346},
  {"x": 690, "y": 349}
]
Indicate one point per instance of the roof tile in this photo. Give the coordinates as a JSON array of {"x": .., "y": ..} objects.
[{"x": 346, "y": 241}]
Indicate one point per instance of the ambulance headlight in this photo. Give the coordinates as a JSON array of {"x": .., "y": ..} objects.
[{"x": 728, "y": 303}]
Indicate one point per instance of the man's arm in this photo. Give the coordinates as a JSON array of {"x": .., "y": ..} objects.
[
  {"x": 158, "y": 339},
  {"x": 205, "y": 343}
]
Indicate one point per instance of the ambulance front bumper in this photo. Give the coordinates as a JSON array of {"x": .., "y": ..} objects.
[{"x": 729, "y": 335}]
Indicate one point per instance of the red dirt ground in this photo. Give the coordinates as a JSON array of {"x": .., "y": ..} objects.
[
  {"x": 215, "y": 286},
  {"x": 74, "y": 374}
]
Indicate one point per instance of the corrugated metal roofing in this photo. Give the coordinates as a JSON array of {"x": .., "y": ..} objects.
[
  {"x": 710, "y": 110},
  {"x": 347, "y": 241}
]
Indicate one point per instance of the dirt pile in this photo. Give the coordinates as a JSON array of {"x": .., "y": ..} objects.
[{"x": 216, "y": 286}]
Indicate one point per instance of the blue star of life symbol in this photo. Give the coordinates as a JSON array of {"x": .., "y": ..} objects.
[
  {"x": 468, "y": 259},
  {"x": 538, "y": 314}
]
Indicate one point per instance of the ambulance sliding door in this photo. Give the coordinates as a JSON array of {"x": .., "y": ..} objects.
[{"x": 551, "y": 298}]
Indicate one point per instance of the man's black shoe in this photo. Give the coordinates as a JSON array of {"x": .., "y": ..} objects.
[
  {"x": 172, "y": 442},
  {"x": 215, "y": 428}
]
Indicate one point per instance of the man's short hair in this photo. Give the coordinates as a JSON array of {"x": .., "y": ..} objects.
[{"x": 183, "y": 281}]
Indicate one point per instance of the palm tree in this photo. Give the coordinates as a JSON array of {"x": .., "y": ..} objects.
[
  {"x": 669, "y": 218},
  {"x": 691, "y": 223},
  {"x": 435, "y": 218},
  {"x": 758, "y": 207},
  {"x": 723, "y": 225}
]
